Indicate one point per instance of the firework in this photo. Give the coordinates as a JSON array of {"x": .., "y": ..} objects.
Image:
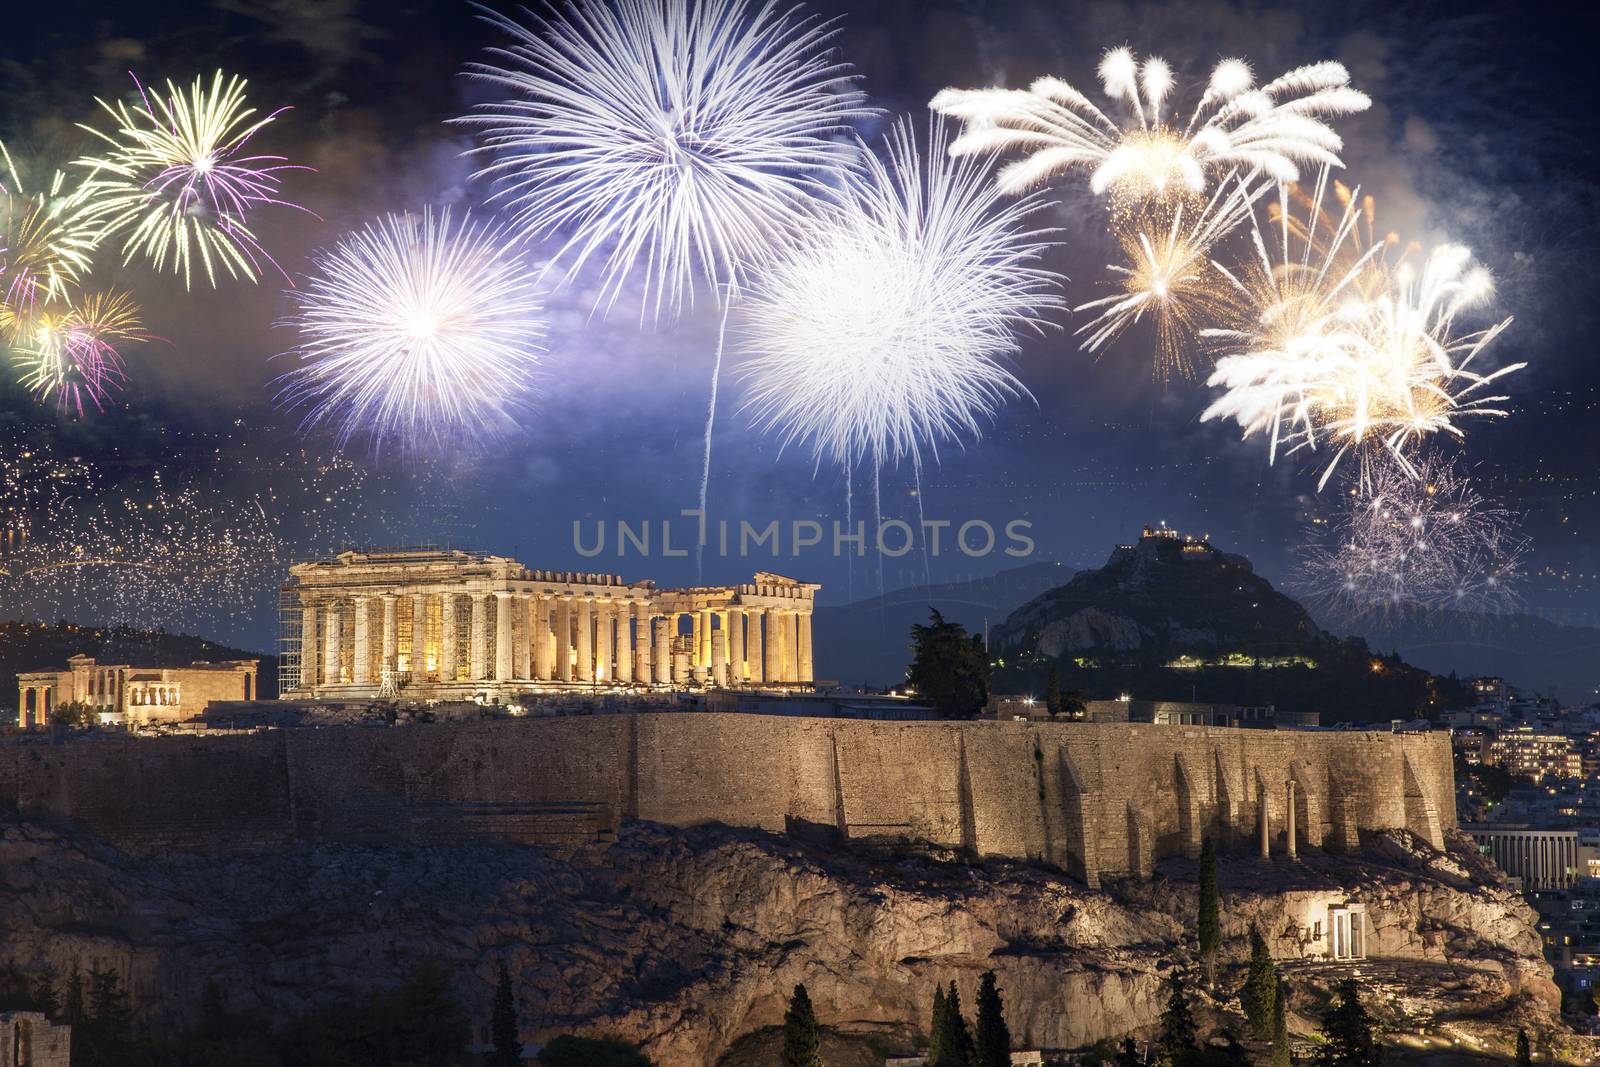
[
  {"x": 1336, "y": 343},
  {"x": 1171, "y": 278},
  {"x": 69, "y": 351},
  {"x": 884, "y": 331},
  {"x": 175, "y": 183},
  {"x": 1415, "y": 539},
  {"x": 419, "y": 329},
  {"x": 1272, "y": 129},
  {"x": 44, "y": 244},
  {"x": 674, "y": 137}
]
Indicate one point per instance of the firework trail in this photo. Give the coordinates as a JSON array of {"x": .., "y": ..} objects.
[
  {"x": 45, "y": 244},
  {"x": 68, "y": 350},
  {"x": 682, "y": 139},
  {"x": 417, "y": 329},
  {"x": 884, "y": 330},
  {"x": 1272, "y": 129},
  {"x": 1171, "y": 278},
  {"x": 1414, "y": 540},
  {"x": 175, "y": 183},
  {"x": 1337, "y": 342}
]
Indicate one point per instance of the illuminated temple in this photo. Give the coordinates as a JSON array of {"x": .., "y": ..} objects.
[{"x": 430, "y": 624}]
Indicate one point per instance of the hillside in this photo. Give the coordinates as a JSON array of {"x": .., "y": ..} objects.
[
  {"x": 1175, "y": 619},
  {"x": 867, "y": 641},
  {"x": 32, "y": 646}
]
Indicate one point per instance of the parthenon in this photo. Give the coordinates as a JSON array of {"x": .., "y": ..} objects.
[{"x": 446, "y": 624}]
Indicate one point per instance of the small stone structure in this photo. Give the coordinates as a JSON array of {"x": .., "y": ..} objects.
[
  {"x": 444, "y": 624},
  {"x": 135, "y": 696},
  {"x": 1096, "y": 800},
  {"x": 29, "y": 1039}
]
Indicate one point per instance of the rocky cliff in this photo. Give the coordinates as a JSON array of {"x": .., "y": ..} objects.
[{"x": 684, "y": 940}]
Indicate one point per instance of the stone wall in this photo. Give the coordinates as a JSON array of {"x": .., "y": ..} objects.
[{"x": 1092, "y": 798}]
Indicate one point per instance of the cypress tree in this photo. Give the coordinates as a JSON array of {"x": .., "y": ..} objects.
[
  {"x": 802, "y": 1041},
  {"x": 503, "y": 1024},
  {"x": 73, "y": 1012},
  {"x": 1260, "y": 985},
  {"x": 1524, "y": 1053},
  {"x": 1209, "y": 925},
  {"x": 936, "y": 1028},
  {"x": 1177, "y": 1038},
  {"x": 958, "y": 1049},
  {"x": 1282, "y": 1056},
  {"x": 1052, "y": 692},
  {"x": 1347, "y": 1032},
  {"x": 994, "y": 1038}
]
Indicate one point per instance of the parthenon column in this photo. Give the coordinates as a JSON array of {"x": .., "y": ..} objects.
[
  {"x": 543, "y": 668},
  {"x": 646, "y": 641},
  {"x": 332, "y": 653},
  {"x": 520, "y": 650},
  {"x": 663, "y": 653},
  {"x": 419, "y": 637},
  {"x": 624, "y": 650},
  {"x": 774, "y": 641},
  {"x": 391, "y": 635},
  {"x": 308, "y": 647},
  {"x": 791, "y": 647},
  {"x": 758, "y": 668},
  {"x": 807, "y": 671},
  {"x": 719, "y": 658},
  {"x": 564, "y": 638},
  {"x": 704, "y": 655},
  {"x": 478, "y": 637},
  {"x": 502, "y": 636},
  {"x": 602, "y": 651},
  {"x": 361, "y": 667},
  {"x": 694, "y": 638},
  {"x": 585, "y": 640},
  {"x": 737, "y": 671},
  {"x": 447, "y": 638}
]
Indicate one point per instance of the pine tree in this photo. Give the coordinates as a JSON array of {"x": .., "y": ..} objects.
[
  {"x": 1260, "y": 985},
  {"x": 503, "y": 1024},
  {"x": 1524, "y": 1053},
  {"x": 1282, "y": 1054},
  {"x": 1176, "y": 1039},
  {"x": 802, "y": 1041},
  {"x": 1347, "y": 1032},
  {"x": 44, "y": 996},
  {"x": 949, "y": 668},
  {"x": 73, "y": 1011},
  {"x": 994, "y": 1038},
  {"x": 1210, "y": 920},
  {"x": 936, "y": 1028}
]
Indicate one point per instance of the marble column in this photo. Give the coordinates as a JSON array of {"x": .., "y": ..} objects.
[
  {"x": 705, "y": 656},
  {"x": 1294, "y": 849},
  {"x": 521, "y": 650},
  {"x": 332, "y": 651},
  {"x": 663, "y": 651},
  {"x": 774, "y": 642},
  {"x": 391, "y": 635},
  {"x": 791, "y": 648},
  {"x": 694, "y": 638},
  {"x": 1261, "y": 822},
  {"x": 737, "y": 669},
  {"x": 585, "y": 639},
  {"x": 642, "y": 616},
  {"x": 604, "y": 616},
  {"x": 564, "y": 638},
  {"x": 625, "y": 642},
  {"x": 807, "y": 669},
  {"x": 478, "y": 638},
  {"x": 719, "y": 658},
  {"x": 543, "y": 654},
  {"x": 447, "y": 638},
  {"x": 753, "y": 647},
  {"x": 361, "y": 650},
  {"x": 502, "y": 636},
  {"x": 419, "y": 637},
  {"x": 308, "y": 647}
]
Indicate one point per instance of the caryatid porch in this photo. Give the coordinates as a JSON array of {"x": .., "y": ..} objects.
[{"x": 431, "y": 623}]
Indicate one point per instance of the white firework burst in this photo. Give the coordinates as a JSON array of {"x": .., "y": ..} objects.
[
  {"x": 672, "y": 139},
  {"x": 886, "y": 330},
  {"x": 1273, "y": 129},
  {"x": 1415, "y": 540},
  {"x": 417, "y": 329}
]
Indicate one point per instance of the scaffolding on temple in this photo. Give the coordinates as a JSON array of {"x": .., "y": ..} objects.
[{"x": 289, "y": 619}]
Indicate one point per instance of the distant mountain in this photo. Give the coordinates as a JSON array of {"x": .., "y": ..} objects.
[
  {"x": 31, "y": 646},
  {"x": 1526, "y": 650},
  {"x": 867, "y": 641},
  {"x": 1162, "y": 597},
  {"x": 1174, "y": 618}
]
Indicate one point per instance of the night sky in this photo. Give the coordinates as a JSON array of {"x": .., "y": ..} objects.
[{"x": 1481, "y": 132}]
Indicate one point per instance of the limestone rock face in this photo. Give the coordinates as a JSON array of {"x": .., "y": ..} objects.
[{"x": 685, "y": 940}]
